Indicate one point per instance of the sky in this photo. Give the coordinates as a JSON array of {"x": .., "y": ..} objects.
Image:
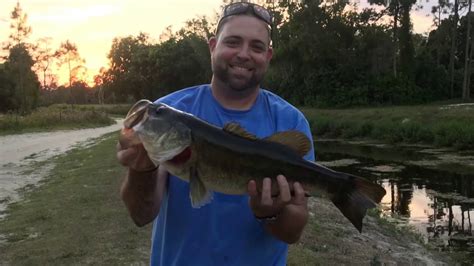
[{"x": 93, "y": 24}]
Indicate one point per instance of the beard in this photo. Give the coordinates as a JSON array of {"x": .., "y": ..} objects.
[{"x": 236, "y": 83}]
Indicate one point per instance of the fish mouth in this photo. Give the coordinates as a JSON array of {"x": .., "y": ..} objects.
[{"x": 136, "y": 113}]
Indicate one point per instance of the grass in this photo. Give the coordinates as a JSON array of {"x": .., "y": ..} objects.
[
  {"x": 438, "y": 125},
  {"x": 76, "y": 217},
  {"x": 111, "y": 109},
  {"x": 61, "y": 116}
]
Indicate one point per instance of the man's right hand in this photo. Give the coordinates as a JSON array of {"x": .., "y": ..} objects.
[{"x": 135, "y": 157}]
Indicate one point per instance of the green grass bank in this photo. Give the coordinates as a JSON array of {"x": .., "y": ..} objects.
[
  {"x": 438, "y": 125},
  {"x": 61, "y": 116},
  {"x": 76, "y": 216}
]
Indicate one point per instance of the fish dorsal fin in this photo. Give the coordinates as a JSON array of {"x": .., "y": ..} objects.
[
  {"x": 236, "y": 129},
  {"x": 293, "y": 139}
]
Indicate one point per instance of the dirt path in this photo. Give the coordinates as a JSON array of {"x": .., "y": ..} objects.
[{"x": 23, "y": 157}]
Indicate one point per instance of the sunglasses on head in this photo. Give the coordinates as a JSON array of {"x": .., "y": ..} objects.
[{"x": 243, "y": 8}]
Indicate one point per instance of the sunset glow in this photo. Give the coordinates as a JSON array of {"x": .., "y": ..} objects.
[{"x": 93, "y": 24}]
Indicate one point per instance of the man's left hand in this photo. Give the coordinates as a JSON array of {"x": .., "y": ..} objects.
[{"x": 264, "y": 205}]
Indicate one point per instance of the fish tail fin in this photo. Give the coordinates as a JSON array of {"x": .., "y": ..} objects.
[{"x": 355, "y": 197}]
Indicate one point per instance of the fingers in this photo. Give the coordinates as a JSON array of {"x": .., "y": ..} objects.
[
  {"x": 266, "y": 192},
  {"x": 253, "y": 193},
  {"x": 262, "y": 202},
  {"x": 252, "y": 189},
  {"x": 133, "y": 156},
  {"x": 284, "y": 188},
  {"x": 266, "y": 199},
  {"x": 261, "y": 199},
  {"x": 300, "y": 194},
  {"x": 126, "y": 156}
]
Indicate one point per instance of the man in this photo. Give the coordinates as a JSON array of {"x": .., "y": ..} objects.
[{"x": 251, "y": 229}]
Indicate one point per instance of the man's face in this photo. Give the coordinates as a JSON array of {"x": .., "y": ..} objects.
[{"x": 240, "y": 53}]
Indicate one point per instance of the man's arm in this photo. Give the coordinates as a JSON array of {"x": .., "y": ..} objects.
[
  {"x": 291, "y": 212},
  {"x": 142, "y": 194},
  {"x": 144, "y": 185}
]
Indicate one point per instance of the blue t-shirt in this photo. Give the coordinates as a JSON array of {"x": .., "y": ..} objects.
[{"x": 225, "y": 231}]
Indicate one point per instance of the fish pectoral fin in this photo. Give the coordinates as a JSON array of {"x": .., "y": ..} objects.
[
  {"x": 293, "y": 139},
  {"x": 236, "y": 129},
  {"x": 198, "y": 193}
]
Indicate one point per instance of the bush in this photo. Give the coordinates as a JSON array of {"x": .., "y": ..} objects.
[
  {"x": 57, "y": 116},
  {"x": 430, "y": 124}
]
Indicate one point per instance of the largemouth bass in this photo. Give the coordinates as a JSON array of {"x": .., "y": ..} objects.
[{"x": 225, "y": 159}]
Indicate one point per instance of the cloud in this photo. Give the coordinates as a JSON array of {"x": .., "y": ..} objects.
[{"x": 74, "y": 14}]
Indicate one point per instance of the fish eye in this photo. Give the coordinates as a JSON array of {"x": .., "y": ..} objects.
[{"x": 160, "y": 110}]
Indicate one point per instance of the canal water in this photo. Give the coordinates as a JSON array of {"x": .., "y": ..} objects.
[{"x": 430, "y": 190}]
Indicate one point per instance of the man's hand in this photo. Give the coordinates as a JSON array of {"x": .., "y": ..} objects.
[
  {"x": 263, "y": 205},
  {"x": 291, "y": 211},
  {"x": 135, "y": 157}
]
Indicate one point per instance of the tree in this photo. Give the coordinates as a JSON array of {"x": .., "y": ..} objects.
[
  {"x": 140, "y": 69},
  {"x": 68, "y": 54},
  {"x": 181, "y": 62},
  {"x": 7, "y": 90},
  {"x": 437, "y": 11},
  {"x": 407, "y": 52},
  {"x": 43, "y": 56},
  {"x": 468, "y": 57},
  {"x": 453, "y": 46},
  {"x": 199, "y": 26},
  {"x": 441, "y": 9},
  {"x": 20, "y": 88},
  {"x": 99, "y": 81},
  {"x": 20, "y": 29},
  {"x": 392, "y": 8},
  {"x": 327, "y": 55},
  {"x": 126, "y": 75},
  {"x": 400, "y": 11},
  {"x": 26, "y": 84}
]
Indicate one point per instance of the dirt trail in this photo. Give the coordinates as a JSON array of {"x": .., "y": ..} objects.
[{"x": 20, "y": 155}]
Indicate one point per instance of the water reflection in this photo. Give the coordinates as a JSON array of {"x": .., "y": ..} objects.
[
  {"x": 444, "y": 219},
  {"x": 437, "y": 203}
]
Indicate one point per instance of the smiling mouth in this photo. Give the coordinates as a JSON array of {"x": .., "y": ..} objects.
[{"x": 241, "y": 68}]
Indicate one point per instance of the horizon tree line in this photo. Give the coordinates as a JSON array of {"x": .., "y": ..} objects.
[{"x": 325, "y": 55}]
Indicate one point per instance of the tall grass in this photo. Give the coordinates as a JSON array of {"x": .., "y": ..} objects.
[
  {"x": 111, "y": 109},
  {"x": 57, "y": 117},
  {"x": 440, "y": 125}
]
